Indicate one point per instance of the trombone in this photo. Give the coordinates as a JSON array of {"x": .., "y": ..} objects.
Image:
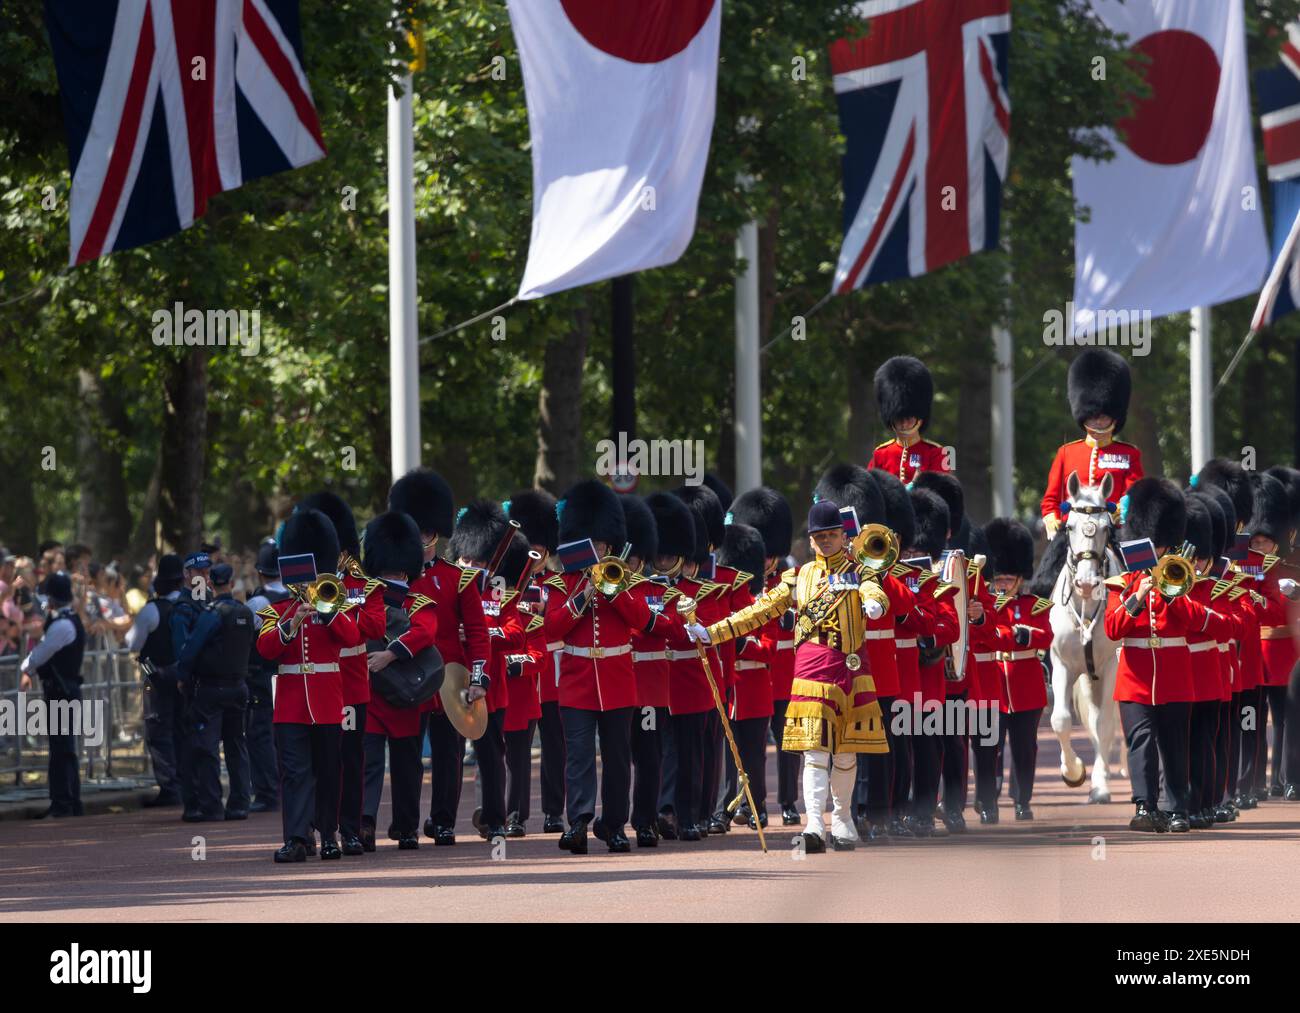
[
  {"x": 326, "y": 594},
  {"x": 875, "y": 547},
  {"x": 1174, "y": 575},
  {"x": 610, "y": 574}
]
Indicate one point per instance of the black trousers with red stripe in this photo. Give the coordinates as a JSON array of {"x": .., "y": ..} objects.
[
  {"x": 490, "y": 752},
  {"x": 1222, "y": 750},
  {"x": 647, "y": 763},
  {"x": 1204, "y": 735},
  {"x": 1158, "y": 737},
  {"x": 873, "y": 795},
  {"x": 352, "y": 752},
  {"x": 787, "y": 764},
  {"x": 309, "y": 779},
  {"x": 956, "y": 766},
  {"x": 446, "y": 768},
  {"x": 519, "y": 771},
  {"x": 551, "y": 728}
]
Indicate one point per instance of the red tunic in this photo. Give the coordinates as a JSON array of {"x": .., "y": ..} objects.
[
  {"x": 309, "y": 682},
  {"x": 1121, "y": 461},
  {"x": 1207, "y": 671},
  {"x": 507, "y": 637},
  {"x": 462, "y": 633},
  {"x": 525, "y": 704},
  {"x": 688, "y": 688},
  {"x": 1277, "y": 646},
  {"x": 945, "y": 630},
  {"x": 752, "y": 695},
  {"x": 1159, "y": 673},
  {"x": 368, "y": 611},
  {"x": 382, "y": 718},
  {"x": 779, "y": 644},
  {"x": 924, "y": 455},
  {"x": 1250, "y": 658},
  {"x": 880, "y": 635},
  {"x": 596, "y": 666},
  {"x": 918, "y": 622},
  {"x": 650, "y": 651},
  {"x": 1019, "y": 672}
]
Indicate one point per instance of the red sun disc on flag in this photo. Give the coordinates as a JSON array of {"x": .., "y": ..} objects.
[
  {"x": 639, "y": 31},
  {"x": 1170, "y": 126}
]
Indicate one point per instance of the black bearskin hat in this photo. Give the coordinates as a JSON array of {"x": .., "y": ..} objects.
[
  {"x": 849, "y": 486},
  {"x": 1200, "y": 528},
  {"x": 515, "y": 561},
  {"x": 480, "y": 526},
  {"x": 534, "y": 509},
  {"x": 1218, "y": 522},
  {"x": 743, "y": 549},
  {"x": 590, "y": 509},
  {"x": 1099, "y": 384},
  {"x": 310, "y": 531},
  {"x": 1224, "y": 502},
  {"x": 1232, "y": 479},
  {"x": 1154, "y": 508},
  {"x": 1010, "y": 547},
  {"x": 345, "y": 525},
  {"x": 641, "y": 529},
  {"x": 898, "y": 505},
  {"x": 950, "y": 491},
  {"x": 720, "y": 489},
  {"x": 904, "y": 389},
  {"x": 675, "y": 524},
  {"x": 706, "y": 506},
  {"x": 931, "y": 515},
  {"x": 1290, "y": 479},
  {"x": 767, "y": 511},
  {"x": 1272, "y": 514},
  {"x": 393, "y": 545},
  {"x": 426, "y": 496}
]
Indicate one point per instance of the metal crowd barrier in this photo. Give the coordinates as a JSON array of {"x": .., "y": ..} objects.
[{"x": 112, "y": 682}]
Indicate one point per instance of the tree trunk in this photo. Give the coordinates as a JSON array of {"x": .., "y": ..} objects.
[
  {"x": 144, "y": 541},
  {"x": 559, "y": 407},
  {"x": 103, "y": 517},
  {"x": 974, "y": 409},
  {"x": 18, "y": 513},
  {"x": 184, "y": 442}
]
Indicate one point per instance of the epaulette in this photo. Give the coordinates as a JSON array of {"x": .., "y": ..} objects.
[
  {"x": 1220, "y": 586},
  {"x": 1116, "y": 583},
  {"x": 372, "y": 585},
  {"x": 1040, "y": 606},
  {"x": 671, "y": 593},
  {"x": 973, "y": 568},
  {"x": 709, "y": 587},
  {"x": 271, "y": 616},
  {"x": 1236, "y": 593},
  {"x": 508, "y": 595},
  {"x": 534, "y": 624},
  {"x": 742, "y": 578},
  {"x": 926, "y": 577},
  {"x": 900, "y": 570},
  {"x": 882, "y": 446},
  {"x": 557, "y": 582},
  {"x": 943, "y": 589},
  {"x": 419, "y": 601},
  {"x": 790, "y": 576},
  {"x": 467, "y": 576},
  {"x": 1000, "y": 601},
  {"x": 1270, "y": 561},
  {"x": 633, "y": 579},
  {"x": 932, "y": 443}
]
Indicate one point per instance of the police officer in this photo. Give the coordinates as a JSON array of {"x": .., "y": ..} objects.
[
  {"x": 195, "y": 593},
  {"x": 57, "y": 660},
  {"x": 213, "y": 666},
  {"x": 150, "y": 639},
  {"x": 259, "y": 732}
]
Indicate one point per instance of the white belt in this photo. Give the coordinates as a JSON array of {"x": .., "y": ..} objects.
[
  {"x": 1016, "y": 655},
  {"x": 1150, "y": 642},
  {"x": 308, "y": 669},
  {"x": 745, "y": 666},
  {"x": 597, "y": 652},
  {"x": 555, "y": 645},
  {"x": 1207, "y": 645},
  {"x": 1223, "y": 648},
  {"x": 986, "y": 657},
  {"x": 680, "y": 655},
  {"x": 785, "y": 645},
  {"x": 905, "y": 642},
  {"x": 353, "y": 651},
  {"x": 649, "y": 655},
  {"x": 879, "y": 635}
]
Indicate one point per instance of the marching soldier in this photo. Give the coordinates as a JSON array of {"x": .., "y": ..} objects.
[
  {"x": 768, "y": 512},
  {"x": 462, "y": 638},
  {"x": 1024, "y": 628},
  {"x": 525, "y": 671},
  {"x": 260, "y": 731},
  {"x": 1098, "y": 389},
  {"x": 150, "y": 638},
  {"x": 309, "y": 694},
  {"x": 394, "y": 553},
  {"x": 833, "y": 713},
  {"x": 534, "y": 510},
  {"x": 57, "y": 660},
  {"x": 367, "y": 595},
  {"x": 905, "y": 394},
  {"x": 1154, "y": 681}
]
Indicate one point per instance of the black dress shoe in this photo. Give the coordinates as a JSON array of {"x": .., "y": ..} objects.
[
  {"x": 574, "y": 840},
  {"x": 647, "y": 838},
  {"x": 196, "y": 816},
  {"x": 790, "y": 816},
  {"x": 329, "y": 849},
  {"x": 688, "y": 834},
  {"x": 1178, "y": 823},
  {"x": 408, "y": 842},
  {"x": 552, "y": 825},
  {"x": 1143, "y": 822},
  {"x": 666, "y": 826},
  {"x": 1023, "y": 812},
  {"x": 294, "y": 851},
  {"x": 897, "y": 827},
  {"x": 1198, "y": 821},
  {"x": 443, "y": 837},
  {"x": 812, "y": 844},
  {"x": 1222, "y": 814},
  {"x": 703, "y": 829},
  {"x": 55, "y": 813},
  {"x": 516, "y": 829},
  {"x": 163, "y": 800},
  {"x": 760, "y": 822},
  {"x": 921, "y": 827},
  {"x": 955, "y": 822},
  {"x": 989, "y": 814},
  {"x": 874, "y": 832},
  {"x": 1246, "y": 801},
  {"x": 598, "y": 829},
  {"x": 368, "y": 836},
  {"x": 1275, "y": 791},
  {"x": 618, "y": 843},
  {"x": 430, "y": 829},
  {"x": 310, "y": 845},
  {"x": 494, "y": 833},
  {"x": 263, "y": 807},
  {"x": 842, "y": 844},
  {"x": 236, "y": 814},
  {"x": 718, "y": 825},
  {"x": 352, "y": 846}
]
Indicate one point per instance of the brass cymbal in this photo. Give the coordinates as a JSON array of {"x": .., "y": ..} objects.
[{"x": 470, "y": 720}]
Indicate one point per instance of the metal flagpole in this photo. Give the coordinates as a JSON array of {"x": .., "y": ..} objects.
[
  {"x": 1202, "y": 393},
  {"x": 403, "y": 351},
  {"x": 1004, "y": 411},
  {"x": 749, "y": 414}
]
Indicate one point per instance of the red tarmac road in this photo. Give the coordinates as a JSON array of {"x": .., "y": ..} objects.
[{"x": 1074, "y": 862}]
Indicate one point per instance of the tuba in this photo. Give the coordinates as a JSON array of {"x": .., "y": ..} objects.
[
  {"x": 1173, "y": 576},
  {"x": 875, "y": 547}
]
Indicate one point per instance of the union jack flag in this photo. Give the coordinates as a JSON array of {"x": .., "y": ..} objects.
[
  {"x": 168, "y": 102},
  {"x": 1278, "y": 89},
  {"x": 924, "y": 107}
]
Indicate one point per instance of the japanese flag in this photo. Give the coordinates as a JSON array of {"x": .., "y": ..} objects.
[
  {"x": 1175, "y": 216},
  {"x": 620, "y": 104}
]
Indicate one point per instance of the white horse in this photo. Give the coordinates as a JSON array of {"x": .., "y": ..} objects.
[{"x": 1084, "y": 659}]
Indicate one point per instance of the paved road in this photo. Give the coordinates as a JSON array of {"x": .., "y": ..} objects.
[{"x": 1076, "y": 861}]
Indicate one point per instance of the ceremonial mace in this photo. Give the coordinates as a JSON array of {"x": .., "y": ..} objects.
[{"x": 686, "y": 607}]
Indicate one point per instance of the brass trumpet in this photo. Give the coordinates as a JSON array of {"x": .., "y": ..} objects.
[
  {"x": 875, "y": 547},
  {"x": 609, "y": 575},
  {"x": 1173, "y": 576},
  {"x": 325, "y": 594}
]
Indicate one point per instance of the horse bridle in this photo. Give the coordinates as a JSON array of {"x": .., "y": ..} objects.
[{"x": 1067, "y": 598}]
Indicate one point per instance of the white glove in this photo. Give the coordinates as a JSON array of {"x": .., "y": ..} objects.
[
  {"x": 697, "y": 633},
  {"x": 1288, "y": 587},
  {"x": 872, "y": 608}
]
